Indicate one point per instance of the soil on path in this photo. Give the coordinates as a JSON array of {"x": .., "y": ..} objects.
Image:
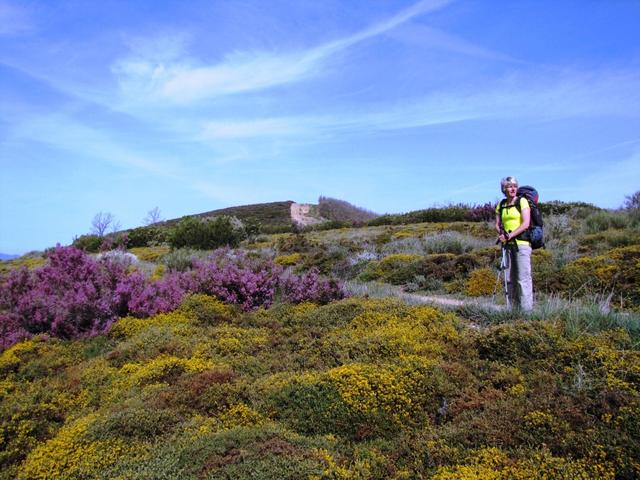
[
  {"x": 448, "y": 302},
  {"x": 301, "y": 215}
]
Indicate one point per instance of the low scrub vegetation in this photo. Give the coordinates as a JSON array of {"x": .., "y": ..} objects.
[
  {"x": 187, "y": 361},
  {"x": 354, "y": 389},
  {"x": 75, "y": 295}
]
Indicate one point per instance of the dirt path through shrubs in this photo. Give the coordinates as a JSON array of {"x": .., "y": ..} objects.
[
  {"x": 300, "y": 214},
  {"x": 449, "y": 302}
]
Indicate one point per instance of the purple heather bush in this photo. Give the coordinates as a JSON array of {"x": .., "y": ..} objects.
[
  {"x": 235, "y": 278},
  {"x": 11, "y": 331},
  {"x": 141, "y": 297},
  {"x": 310, "y": 287},
  {"x": 74, "y": 295},
  {"x": 70, "y": 296}
]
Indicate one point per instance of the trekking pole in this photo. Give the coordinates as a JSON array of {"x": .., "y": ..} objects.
[{"x": 504, "y": 265}]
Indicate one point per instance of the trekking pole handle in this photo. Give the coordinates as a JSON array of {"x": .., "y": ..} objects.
[{"x": 504, "y": 234}]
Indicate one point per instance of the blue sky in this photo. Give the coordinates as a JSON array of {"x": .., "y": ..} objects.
[{"x": 122, "y": 106}]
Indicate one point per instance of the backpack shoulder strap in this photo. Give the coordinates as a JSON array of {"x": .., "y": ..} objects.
[
  {"x": 518, "y": 200},
  {"x": 503, "y": 204}
]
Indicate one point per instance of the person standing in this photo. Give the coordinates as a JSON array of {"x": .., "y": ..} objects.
[{"x": 513, "y": 216}]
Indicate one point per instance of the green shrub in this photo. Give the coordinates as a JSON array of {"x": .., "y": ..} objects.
[
  {"x": 604, "y": 220},
  {"x": 294, "y": 243},
  {"x": 288, "y": 260},
  {"x": 615, "y": 272},
  {"x": 182, "y": 259},
  {"x": 596, "y": 243},
  {"x": 452, "y": 242},
  {"x": 396, "y": 269},
  {"x": 359, "y": 401},
  {"x": 573, "y": 209},
  {"x": 545, "y": 272},
  {"x": 139, "y": 422},
  {"x": 518, "y": 341},
  {"x": 206, "y": 310},
  {"x": 146, "y": 236},
  {"x": 88, "y": 243},
  {"x": 207, "y": 233}
]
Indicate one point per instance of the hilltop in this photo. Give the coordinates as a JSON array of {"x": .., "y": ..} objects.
[{"x": 273, "y": 216}]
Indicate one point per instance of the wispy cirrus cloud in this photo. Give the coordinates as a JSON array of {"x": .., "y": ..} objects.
[
  {"x": 186, "y": 81},
  {"x": 422, "y": 35},
  {"x": 64, "y": 133},
  {"x": 572, "y": 94}
]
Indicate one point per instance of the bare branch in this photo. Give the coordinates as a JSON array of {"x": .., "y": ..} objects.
[
  {"x": 153, "y": 216},
  {"x": 101, "y": 222}
]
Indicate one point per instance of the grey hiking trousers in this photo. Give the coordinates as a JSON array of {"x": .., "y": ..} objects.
[{"x": 518, "y": 273}]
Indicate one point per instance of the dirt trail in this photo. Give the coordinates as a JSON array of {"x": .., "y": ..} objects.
[
  {"x": 301, "y": 214},
  {"x": 449, "y": 302}
]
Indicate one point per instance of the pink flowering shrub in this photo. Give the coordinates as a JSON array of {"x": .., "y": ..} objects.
[
  {"x": 70, "y": 296},
  {"x": 74, "y": 295},
  {"x": 235, "y": 278},
  {"x": 141, "y": 297},
  {"x": 310, "y": 287},
  {"x": 11, "y": 331}
]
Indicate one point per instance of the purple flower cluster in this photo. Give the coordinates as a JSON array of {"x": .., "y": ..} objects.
[
  {"x": 234, "y": 278},
  {"x": 310, "y": 287},
  {"x": 69, "y": 296},
  {"x": 74, "y": 295},
  {"x": 141, "y": 297}
]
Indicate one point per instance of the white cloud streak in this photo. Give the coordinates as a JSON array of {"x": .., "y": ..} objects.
[
  {"x": 186, "y": 82},
  {"x": 421, "y": 35},
  {"x": 63, "y": 133},
  {"x": 573, "y": 95}
]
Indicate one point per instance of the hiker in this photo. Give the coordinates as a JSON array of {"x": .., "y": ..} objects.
[{"x": 511, "y": 222}]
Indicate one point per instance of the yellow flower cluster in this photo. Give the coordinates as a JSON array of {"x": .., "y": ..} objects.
[
  {"x": 11, "y": 357},
  {"x": 240, "y": 415},
  {"x": 493, "y": 464},
  {"x": 416, "y": 331},
  {"x": 71, "y": 454},
  {"x": 398, "y": 258},
  {"x": 481, "y": 281},
  {"x": 150, "y": 254},
  {"x": 24, "y": 261},
  {"x": 161, "y": 368},
  {"x": 288, "y": 260},
  {"x": 158, "y": 272},
  {"x": 373, "y": 390}
]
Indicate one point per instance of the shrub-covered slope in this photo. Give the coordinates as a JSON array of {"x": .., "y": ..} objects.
[
  {"x": 214, "y": 364},
  {"x": 354, "y": 389}
]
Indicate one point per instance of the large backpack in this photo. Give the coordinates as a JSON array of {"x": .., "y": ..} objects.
[{"x": 535, "y": 233}]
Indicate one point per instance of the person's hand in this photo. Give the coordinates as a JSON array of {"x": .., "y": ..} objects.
[{"x": 503, "y": 237}]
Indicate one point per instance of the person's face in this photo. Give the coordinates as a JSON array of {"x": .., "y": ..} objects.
[{"x": 511, "y": 190}]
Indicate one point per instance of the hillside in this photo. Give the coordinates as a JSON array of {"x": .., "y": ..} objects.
[
  {"x": 251, "y": 363},
  {"x": 273, "y": 214},
  {"x": 280, "y": 216}
]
